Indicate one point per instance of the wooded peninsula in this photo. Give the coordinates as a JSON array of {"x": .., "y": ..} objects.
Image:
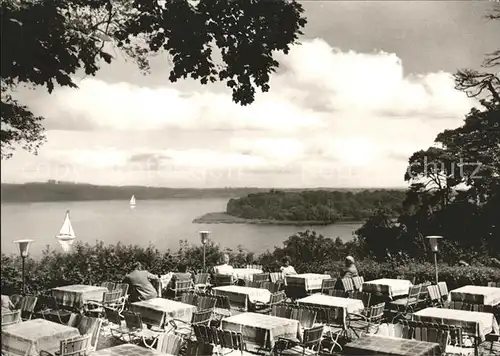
[{"x": 311, "y": 207}]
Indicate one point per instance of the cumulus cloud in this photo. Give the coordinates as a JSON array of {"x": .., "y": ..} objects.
[{"x": 328, "y": 111}]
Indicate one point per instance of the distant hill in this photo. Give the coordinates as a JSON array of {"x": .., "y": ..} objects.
[{"x": 53, "y": 191}]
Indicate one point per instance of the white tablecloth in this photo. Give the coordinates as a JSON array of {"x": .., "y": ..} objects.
[
  {"x": 487, "y": 322},
  {"x": 151, "y": 309},
  {"x": 254, "y": 294},
  {"x": 260, "y": 329},
  {"x": 476, "y": 294},
  {"x": 312, "y": 281},
  {"x": 245, "y": 273},
  {"x": 391, "y": 287},
  {"x": 350, "y": 305}
]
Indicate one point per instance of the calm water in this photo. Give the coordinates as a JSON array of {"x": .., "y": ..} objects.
[{"x": 162, "y": 223}]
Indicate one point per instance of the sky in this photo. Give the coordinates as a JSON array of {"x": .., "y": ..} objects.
[{"x": 369, "y": 85}]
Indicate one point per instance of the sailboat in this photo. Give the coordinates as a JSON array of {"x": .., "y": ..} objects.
[
  {"x": 66, "y": 235},
  {"x": 132, "y": 202}
]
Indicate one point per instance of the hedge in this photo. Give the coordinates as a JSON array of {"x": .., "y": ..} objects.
[{"x": 88, "y": 264}]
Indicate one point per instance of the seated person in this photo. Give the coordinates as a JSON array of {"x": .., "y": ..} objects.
[
  {"x": 350, "y": 269},
  {"x": 139, "y": 281},
  {"x": 286, "y": 268},
  {"x": 182, "y": 275},
  {"x": 7, "y": 304},
  {"x": 225, "y": 268}
]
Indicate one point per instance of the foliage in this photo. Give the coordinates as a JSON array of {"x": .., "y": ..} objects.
[
  {"x": 66, "y": 191},
  {"x": 454, "y": 185},
  {"x": 309, "y": 251},
  {"x": 315, "y": 205},
  {"x": 60, "y": 37}
]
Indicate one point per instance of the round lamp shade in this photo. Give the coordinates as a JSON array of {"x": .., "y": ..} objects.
[
  {"x": 24, "y": 246},
  {"x": 204, "y": 236},
  {"x": 433, "y": 242}
]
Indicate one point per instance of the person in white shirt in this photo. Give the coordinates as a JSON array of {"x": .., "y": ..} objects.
[
  {"x": 287, "y": 269},
  {"x": 225, "y": 268}
]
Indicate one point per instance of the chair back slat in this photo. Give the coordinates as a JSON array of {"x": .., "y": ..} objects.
[
  {"x": 277, "y": 298},
  {"x": 327, "y": 285},
  {"x": 313, "y": 336},
  {"x": 12, "y": 317},
  {"x": 112, "y": 316},
  {"x": 305, "y": 316},
  {"x": 169, "y": 343},
  {"x": 348, "y": 284},
  {"x": 109, "y": 285},
  {"x": 363, "y": 296},
  {"x": 206, "y": 303},
  {"x": 201, "y": 278},
  {"x": 281, "y": 311},
  {"x": 443, "y": 289},
  {"x": 201, "y": 317},
  {"x": 337, "y": 293},
  {"x": 252, "y": 284},
  {"x": 433, "y": 292},
  {"x": 123, "y": 287},
  {"x": 276, "y": 277},
  {"x": 223, "y": 280},
  {"x": 78, "y": 346},
  {"x": 261, "y": 277},
  {"x": 197, "y": 348},
  {"x": 358, "y": 282},
  {"x": 112, "y": 298},
  {"x": 27, "y": 306},
  {"x": 133, "y": 320}
]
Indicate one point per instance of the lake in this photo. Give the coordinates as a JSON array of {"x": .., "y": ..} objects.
[{"x": 161, "y": 222}]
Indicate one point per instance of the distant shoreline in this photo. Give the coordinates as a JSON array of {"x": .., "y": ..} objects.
[{"x": 225, "y": 218}]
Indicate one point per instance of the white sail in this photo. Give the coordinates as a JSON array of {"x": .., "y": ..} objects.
[
  {"x": 132, "y": 201},
  {"x": 66, "y": 235}
]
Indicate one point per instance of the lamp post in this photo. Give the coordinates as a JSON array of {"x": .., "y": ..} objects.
[
  {"x": 433, "y": 242},
  {"x": 204, "y": 239},
  {"x": 23, "y": 249}
]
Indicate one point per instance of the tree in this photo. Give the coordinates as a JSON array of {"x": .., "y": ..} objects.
[
  {"x": 45, "y": 42},
  {"x": 455, "y": 184}
]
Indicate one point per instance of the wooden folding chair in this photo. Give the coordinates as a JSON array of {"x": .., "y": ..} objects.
[
  {"x": 327, "y": 285},
  {"x": 77, "y": 346},
  {"x": 110, "y": 299},
  {"x": 134, "y": 328},
  {"x": 182, "y": 286},
  {"x": 27, "y": 306},
  {"x": 310, "y": 343},
  {"x": 363, "y": 296},
  {"x": 185, "y": 329},
  {"x": 169, "y": 343},
  {"x": 109, "y": 285},
  {"x": 337, "y": 293},
  {"x": 348, "y": 284},
  {"x": 206, "y": 303},
  {"x": 49, "y": 310},
  {"x": 223, "y": 280},
  {"x": 201, "y": 281},
  {"x": 407, "y": 305},
  {"x": 261, "y": 277},
  {"x": 11, "y": 317},
  {"x": 369, "y": 322},
  {"x": 358, "y": 282}
]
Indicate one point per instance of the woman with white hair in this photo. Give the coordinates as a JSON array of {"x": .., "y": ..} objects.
[{"x": 350, "y": 269}]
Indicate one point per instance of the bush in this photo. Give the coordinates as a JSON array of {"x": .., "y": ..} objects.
[{"x": 310, "y": 252}]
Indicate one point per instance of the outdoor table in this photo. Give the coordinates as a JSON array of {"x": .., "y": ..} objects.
[
  {"x": 261, "y": 330},
  {"x": 476, "y": 295},
  {"x": 238, "y": 295},
  {"x": 128, "y": 350},
  {"x": 245, "y": 273},
  {"x": 349, "y": 305},
  {"x": 170, "y": 309},
  {"x": 383, "y": 345},
  {"x": 312, "y": 281},
  {"x": 28, "y": 338},
  {"x": 386, "y": 286},
  {"x": 487, "y": 322},
  {"x": 75, "y": 296}
]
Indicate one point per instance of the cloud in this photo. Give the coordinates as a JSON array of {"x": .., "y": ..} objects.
[{"x": 328, "y": 112}]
